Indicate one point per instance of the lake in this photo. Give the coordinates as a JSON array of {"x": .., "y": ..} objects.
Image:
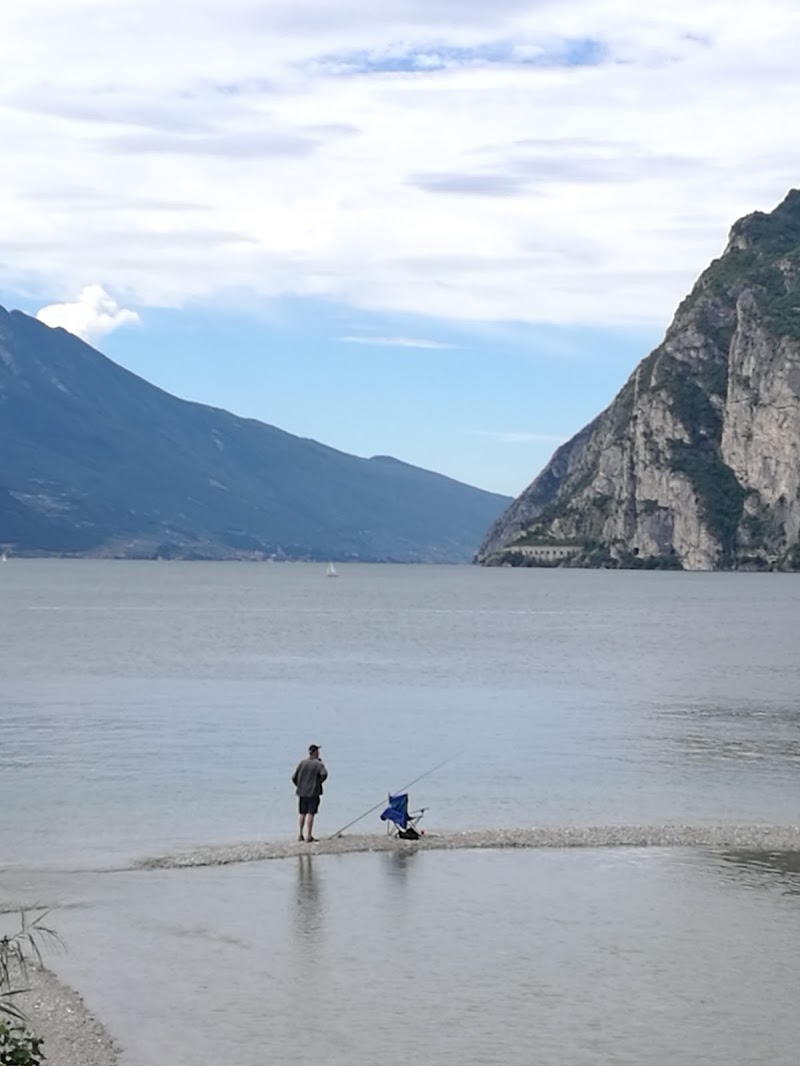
[{"x": 151, "y": 707}]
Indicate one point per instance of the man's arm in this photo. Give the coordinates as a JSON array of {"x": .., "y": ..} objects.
[{"x": 322, "y": 772}]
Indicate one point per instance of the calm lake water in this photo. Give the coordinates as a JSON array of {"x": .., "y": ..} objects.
[{"x": 146, "y": 707}]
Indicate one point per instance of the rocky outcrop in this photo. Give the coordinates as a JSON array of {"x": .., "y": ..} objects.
[{"x": 696, "y": 462}]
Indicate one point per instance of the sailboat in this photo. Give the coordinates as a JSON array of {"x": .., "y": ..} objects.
[
  {"x": 331, "y": 571},
  {"x": 3, "y": 558}
]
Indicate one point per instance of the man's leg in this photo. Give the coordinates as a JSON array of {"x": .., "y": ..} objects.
[
  {"x": 310, "y": 827},
  {"x": 300, "y": 828}
]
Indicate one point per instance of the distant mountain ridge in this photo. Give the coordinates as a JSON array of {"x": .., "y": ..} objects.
[
  {"x": 96, "y": 461},
  {"x": 696, "y": 462}
]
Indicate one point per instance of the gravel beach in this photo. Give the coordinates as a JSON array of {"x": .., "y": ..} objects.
[
  {"x": 72, "y": 1037},
  {"x": 754, "y": 837}
]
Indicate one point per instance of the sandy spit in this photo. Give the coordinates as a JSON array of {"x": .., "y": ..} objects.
[
  {"x": 72, "y": 1037},
  {"x": 746, "y": 837}
]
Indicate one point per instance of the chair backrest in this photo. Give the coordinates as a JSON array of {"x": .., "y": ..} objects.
[{"x": 397, "y": 811}]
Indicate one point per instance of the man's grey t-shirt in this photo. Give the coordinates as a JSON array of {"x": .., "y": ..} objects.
[{"x": 308, "y": 777}]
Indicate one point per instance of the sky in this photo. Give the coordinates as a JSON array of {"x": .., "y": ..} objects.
[{"x": 443, "y": 230}]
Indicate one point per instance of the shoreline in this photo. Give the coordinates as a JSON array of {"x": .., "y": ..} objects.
[
  {"x": 73, "y": 1036},
  {"x": 745, "y": 837},
  {"x": 58, "y": 1014}
]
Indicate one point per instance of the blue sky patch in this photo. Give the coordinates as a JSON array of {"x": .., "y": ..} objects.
[{"x": 567, "y": 52}]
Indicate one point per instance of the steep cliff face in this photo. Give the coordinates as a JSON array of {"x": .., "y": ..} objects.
[{"x": 696, "y": 463}]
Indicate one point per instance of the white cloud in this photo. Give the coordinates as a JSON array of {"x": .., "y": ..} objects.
[
  {"x": 397, "y": 342},
  {"x": 583, "y": 170},
  {"x": 93, "y": 315}
]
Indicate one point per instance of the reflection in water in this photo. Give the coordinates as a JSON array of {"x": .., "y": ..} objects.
[
  {"x": 308, "y": 912},
  {"x": 397, "y": 864},
  {"x": 765, "y": 869},
  {"x": 396, "y": 867}
]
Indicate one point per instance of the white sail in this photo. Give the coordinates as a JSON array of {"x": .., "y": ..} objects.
[{"x": 332, "y": 570}]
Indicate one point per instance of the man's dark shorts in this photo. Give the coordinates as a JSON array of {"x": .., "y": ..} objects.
[{"x": 308, "y": 804}]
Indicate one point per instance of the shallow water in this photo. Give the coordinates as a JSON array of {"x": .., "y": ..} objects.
[
  {"x": 148, "y": 708},
  {"x": 154, "y": 705},
  {"x": 623, "y": 956}
]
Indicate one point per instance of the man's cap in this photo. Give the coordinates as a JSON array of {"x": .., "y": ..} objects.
[{"x": 313, "y": 747}]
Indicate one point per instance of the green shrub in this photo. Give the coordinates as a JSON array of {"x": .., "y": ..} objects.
[
  {"x": 755, "y": 526},
  {"x": 18, "y": 950},
  {"x": 689, "y": 400},
  {"x": 729, "y": 271},
  {"x": 19, "y": 1047},
  {"x": 668, "y": 561},
  {"x": 782, "y": 314},
  {"x": 719, "y": 494},
  {"x": 597, "y": 555}
]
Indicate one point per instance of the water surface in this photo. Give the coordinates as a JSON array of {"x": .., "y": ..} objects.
[{"x": 147, "y": 707}]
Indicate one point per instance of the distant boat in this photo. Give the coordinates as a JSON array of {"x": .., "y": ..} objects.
[
  {"x": 3, "y": 558},
  {"x": 331, "y": 571}
]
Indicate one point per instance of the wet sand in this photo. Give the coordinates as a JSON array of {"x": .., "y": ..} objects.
[{"x": 752, "y": 837}]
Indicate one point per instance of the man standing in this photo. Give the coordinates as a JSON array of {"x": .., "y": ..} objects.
[{"x": 307, "y": 779}]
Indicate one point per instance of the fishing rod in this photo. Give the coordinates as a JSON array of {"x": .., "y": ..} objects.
[{"x": 405, "y": 788}]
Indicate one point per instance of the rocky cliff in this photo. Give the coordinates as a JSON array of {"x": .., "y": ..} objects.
[{"x": 696, "y": 462}]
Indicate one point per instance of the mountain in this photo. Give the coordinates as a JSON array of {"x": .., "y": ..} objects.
[
  {"x": 696, "y": 462},
  {"x": 96, "y": 461}
]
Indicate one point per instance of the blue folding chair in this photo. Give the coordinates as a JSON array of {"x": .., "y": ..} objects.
[{"x": 404, "y": 821}]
